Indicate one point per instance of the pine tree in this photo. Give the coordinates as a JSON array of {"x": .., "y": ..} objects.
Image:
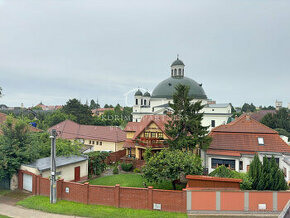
[
  {"x": 255, "y": 171},
  {"x": 185, "y": 127}
]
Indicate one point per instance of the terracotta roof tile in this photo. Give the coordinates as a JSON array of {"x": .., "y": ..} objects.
[
  {"x": 72, "y": 130},
  {"x": 242, "y": 135}
]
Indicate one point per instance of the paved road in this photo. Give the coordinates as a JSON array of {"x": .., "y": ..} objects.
[
  {"x": 9, "y": 208},
  {"x": 20, "y": 212}
]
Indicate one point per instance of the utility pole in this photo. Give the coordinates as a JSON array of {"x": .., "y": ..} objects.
[{"x": 53, "y": 168}]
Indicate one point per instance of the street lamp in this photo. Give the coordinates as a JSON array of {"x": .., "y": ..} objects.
[{"x": 53, "y": 168}]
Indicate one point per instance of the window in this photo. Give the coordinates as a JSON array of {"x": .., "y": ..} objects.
[
  {"x": 153, "y": 134},
  {"x": 213, "y": 123},
  {"x": 93, "y": 142},
  {"x": 141, "y": 101},
  {"x": 260, "y": 141},
  {"x": 159, "y": 135},
  {"x": 175, "y": 72},
  {"x": 145, "y": 102},
  {"x": 97, "y": 143},
  {"x": 227, "y": 163},
  {"x": 276, "y": 160},
  {"x": 241, "y": 165},
  {"x": 136, "y": 101},
  {"x": 146, "y": 134},
  {"x": 101, "y": 143},
  {"x": 90, "y": 142},
  {"x": 179, "y": 72}
]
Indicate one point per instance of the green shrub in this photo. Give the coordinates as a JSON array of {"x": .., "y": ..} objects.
[
  {"x": 137, "y": 170},
  {"x": 115, "y": 170},
  {"x": 97, "y": 162},
  {"x": 127, "y": 166},
  {"x": 222, "y": 171}
]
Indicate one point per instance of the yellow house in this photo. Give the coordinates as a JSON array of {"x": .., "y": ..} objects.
[
  {"x": 96, "y": 138},
  {"x": 149, "y": 133}
]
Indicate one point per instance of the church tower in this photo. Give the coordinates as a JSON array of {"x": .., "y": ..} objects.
[{"x": 177, "y": 69}]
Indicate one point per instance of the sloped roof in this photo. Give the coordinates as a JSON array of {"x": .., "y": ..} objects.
[
  {"x": 159, "y": 120},
  {"x": 3, "y": 118},
  {"x": 43, "y": 164},
  {"x": 72, "y": 130},
  {"x": 258, "y": 115},
  {"x": 244, "y": 124},
  {"x": 242, "y": 135}
]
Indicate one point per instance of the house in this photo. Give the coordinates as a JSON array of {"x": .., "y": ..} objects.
[
  {"x": 148, "y": 133},
  {"x": 49, "y": 108},
  {"x": 96, "y": 138},
  {"x": 258, "y": 115},
  {"x": 3, "y": 118},
  {"x": 101, "y": 111},
  {"x": 235, "y": 144},
  {"x": 73, "y": 168}
]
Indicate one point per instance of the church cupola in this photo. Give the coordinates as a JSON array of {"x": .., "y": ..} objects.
[{"x": 177, "y": 68}]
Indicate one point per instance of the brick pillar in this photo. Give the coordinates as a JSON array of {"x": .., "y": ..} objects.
[
  {"x": 20, "y": 180},
  {"x": 34, "y": 185},
  {"x": 59, "y": 188},
  {"x": 87, "y": 192},
  {"x": 150, "y": 198},
  {"x": 117, "y": 195},
  {"x": 37, "y": 185}
]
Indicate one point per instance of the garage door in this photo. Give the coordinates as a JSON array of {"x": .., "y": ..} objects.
[{"x": 27, "y": 182}]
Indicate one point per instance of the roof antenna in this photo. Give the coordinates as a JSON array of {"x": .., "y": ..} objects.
[{"x": 177, "y": 56}]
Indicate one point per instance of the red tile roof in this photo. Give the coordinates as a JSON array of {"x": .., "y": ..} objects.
[
  {"x": 72, "y": 130},
  {"x": 129, "y": 144},
  {"x": 244, "y": 124},
  {"x": 3, "y": 117},
  {"x": 242, "y": 135},
  {"x": 228, "y": 153},
  {"x": 159, "y": 120}
]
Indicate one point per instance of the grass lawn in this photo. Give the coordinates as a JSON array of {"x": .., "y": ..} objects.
[
  {"x": 2, "y": 216},
  {"x": 130, "y": 180},
  {"x": 4, "y": 191},
  {"x": 79, "y": 209}
]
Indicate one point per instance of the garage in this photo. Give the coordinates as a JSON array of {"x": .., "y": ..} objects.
[{"x": 27, "y": 182}]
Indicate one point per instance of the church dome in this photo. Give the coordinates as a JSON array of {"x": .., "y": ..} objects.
[
  {"x": 146, "y": 94},
  {"x": 166, "y": 88},
  {"x": 177, "y": 62},
  {"x": 138, "y": 93}
]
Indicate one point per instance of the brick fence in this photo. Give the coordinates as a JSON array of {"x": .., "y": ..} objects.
[
  {"x": 188, "y": 200},
  {"x": 115, "y": 156},
  {"x": 231, "y": 200},
  {"x": 127, "y": 197}
]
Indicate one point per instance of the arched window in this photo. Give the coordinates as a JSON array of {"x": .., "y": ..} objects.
[
  {"x": 145, "y": 102},
  {"x": 136, "y": 101},
  {"x": 179, "y": 72},
  {"x": 175, "y": 72},
  {"x": 141, "y": 101}
]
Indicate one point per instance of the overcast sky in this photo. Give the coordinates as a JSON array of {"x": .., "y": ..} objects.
[{"x": 54, "y": 50}]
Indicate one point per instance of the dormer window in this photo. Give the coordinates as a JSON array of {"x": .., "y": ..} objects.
[{"x": 260, "y": 141}]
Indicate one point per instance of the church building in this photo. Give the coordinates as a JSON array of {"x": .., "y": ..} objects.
[{"x": 157, "y": 102}]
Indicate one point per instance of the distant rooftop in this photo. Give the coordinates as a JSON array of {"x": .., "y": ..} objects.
[{"x": 218, "y": 105}]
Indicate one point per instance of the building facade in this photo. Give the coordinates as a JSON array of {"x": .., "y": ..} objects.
[{"x": 157, "y": 103}]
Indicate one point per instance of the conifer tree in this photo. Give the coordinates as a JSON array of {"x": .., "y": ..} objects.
[
  {"x": 255, "y": 171},
  {"x": 185, "y": 127}
]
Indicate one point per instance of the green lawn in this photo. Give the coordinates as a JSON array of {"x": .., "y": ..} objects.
[
  {"x": 79, "y": 209},
  {"x": 3, "y": 192},
  {"x": 2, "y": 216},
  {"x": 130, "y": 180}
]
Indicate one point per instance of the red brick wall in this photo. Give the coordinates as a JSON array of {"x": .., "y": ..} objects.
[
  {"x": 44, "y": 186},
  {"x": 134, "y": 197},
  {"x": 115, "y": 156},
  {"x": 170, "y": 200},
  {"x": 103, "y": 195}
]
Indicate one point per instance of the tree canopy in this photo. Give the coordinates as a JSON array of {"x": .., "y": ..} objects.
[
  {"x": 82, "y": 112},
  {"x": 168, "y": 165},
  {"x": 185, "y": 127},
  {"x": 248, "y": 107},
  {"x": 94, "y": 105}
]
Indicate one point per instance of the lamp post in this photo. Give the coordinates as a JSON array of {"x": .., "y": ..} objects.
[{"x": 53, "y": 168}]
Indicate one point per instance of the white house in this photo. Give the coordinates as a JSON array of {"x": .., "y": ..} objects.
[{"x": 235, "y": 144}]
